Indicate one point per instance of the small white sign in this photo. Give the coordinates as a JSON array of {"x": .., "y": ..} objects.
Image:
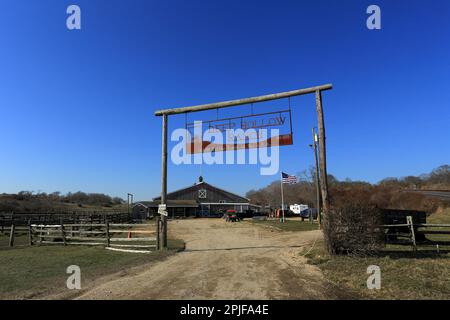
[{"x": 162, "y": 210}]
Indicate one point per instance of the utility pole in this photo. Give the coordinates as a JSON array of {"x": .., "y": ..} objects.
[
  {"x": 314, "y": 146},
  {"x": 282, "y": 197}
]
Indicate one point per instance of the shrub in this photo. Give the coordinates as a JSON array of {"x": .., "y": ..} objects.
[{"x": 353, "y": 227}]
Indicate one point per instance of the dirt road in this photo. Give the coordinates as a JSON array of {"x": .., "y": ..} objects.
[{"x": 226, "y": 261}]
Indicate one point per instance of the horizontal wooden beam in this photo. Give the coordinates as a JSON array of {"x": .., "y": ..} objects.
[{"x": 232, "y": 103}]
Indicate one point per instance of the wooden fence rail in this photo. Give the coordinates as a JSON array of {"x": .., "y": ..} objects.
[
  {"x": 22, "y": 219},
  {"x": 411, "y": 232},
  {"x": 124, "y": 237}
]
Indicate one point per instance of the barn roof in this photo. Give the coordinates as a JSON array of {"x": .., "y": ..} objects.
[
  {"x": 205, "y": 184},
  {"x": 170, "y": 204}
]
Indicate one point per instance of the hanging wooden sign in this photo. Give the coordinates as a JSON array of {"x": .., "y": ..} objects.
[{"x": 244, "y": 132}]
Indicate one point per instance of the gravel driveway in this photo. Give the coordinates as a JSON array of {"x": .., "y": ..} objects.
[{"x": 226, "y": 261}]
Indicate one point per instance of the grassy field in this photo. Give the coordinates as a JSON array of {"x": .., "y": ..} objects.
[
  {"x": 441, "y": 216},
  {"x": 404, "y": 274},
  {"x": 288, "y": 225},
  {"x": 34, "y": 272},
  {"x": 21, "y": 239}
]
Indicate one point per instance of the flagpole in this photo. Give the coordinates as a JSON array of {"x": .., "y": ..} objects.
[{"x": 282, "y": 197}]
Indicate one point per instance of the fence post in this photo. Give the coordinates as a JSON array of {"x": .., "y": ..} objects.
[
  {"x": 409, "y": 221},
  {"x": 62, "y": 232},
  {"x": 41, "y": 234},
  {"x": 11, "y": 235},
  {"x": 107, "y": 233},
  {"x": 30, "y": 233},
  {"x": 158, "y": 219}
]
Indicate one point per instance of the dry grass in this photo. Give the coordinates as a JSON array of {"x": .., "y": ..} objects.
[
  {"x": 35, "y": 272},
  {"x": 288, "y": 225},
  {"x": 404, "y": 274},
  {"x": 442, "y": 215}
]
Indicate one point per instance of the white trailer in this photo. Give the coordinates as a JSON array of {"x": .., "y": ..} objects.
[{"x": 298, "y": 208}]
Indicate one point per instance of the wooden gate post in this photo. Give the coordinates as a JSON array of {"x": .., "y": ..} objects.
[
  {"x": 316, "y": 161},
  {"x": 158, "y": 228},
  {"x": 322, "y": 153},
  {"x": 164, "y": 181},
  {"x": 108, "y": 240}
]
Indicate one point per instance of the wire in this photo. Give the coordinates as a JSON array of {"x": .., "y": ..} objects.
[
  {"x": 312, "y": 247},
  {"x": 185, "y": 126}
]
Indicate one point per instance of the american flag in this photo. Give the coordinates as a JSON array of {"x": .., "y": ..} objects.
[{"x": 288, "y": 179}]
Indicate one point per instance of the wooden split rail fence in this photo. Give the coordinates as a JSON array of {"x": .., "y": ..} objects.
[
  {"x": 136, "y": 238},
  {"x": 23, "y": 219},
  {"x": 414, "y": 233}
]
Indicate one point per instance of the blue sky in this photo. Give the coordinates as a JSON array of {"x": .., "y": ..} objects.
[{"x": 76, "y": 107}]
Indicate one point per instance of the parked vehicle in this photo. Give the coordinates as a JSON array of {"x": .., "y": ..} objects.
[
  {"x": 248, "y": 214},
  {"x": 232, "y": 216},
  {"x": 307, "y": 213},
  {"x": 298, "y": 208},
  {"x": 287, "y": 213}
]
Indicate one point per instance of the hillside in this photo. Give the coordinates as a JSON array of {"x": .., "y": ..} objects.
[{"x": 27, "y": 202}]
